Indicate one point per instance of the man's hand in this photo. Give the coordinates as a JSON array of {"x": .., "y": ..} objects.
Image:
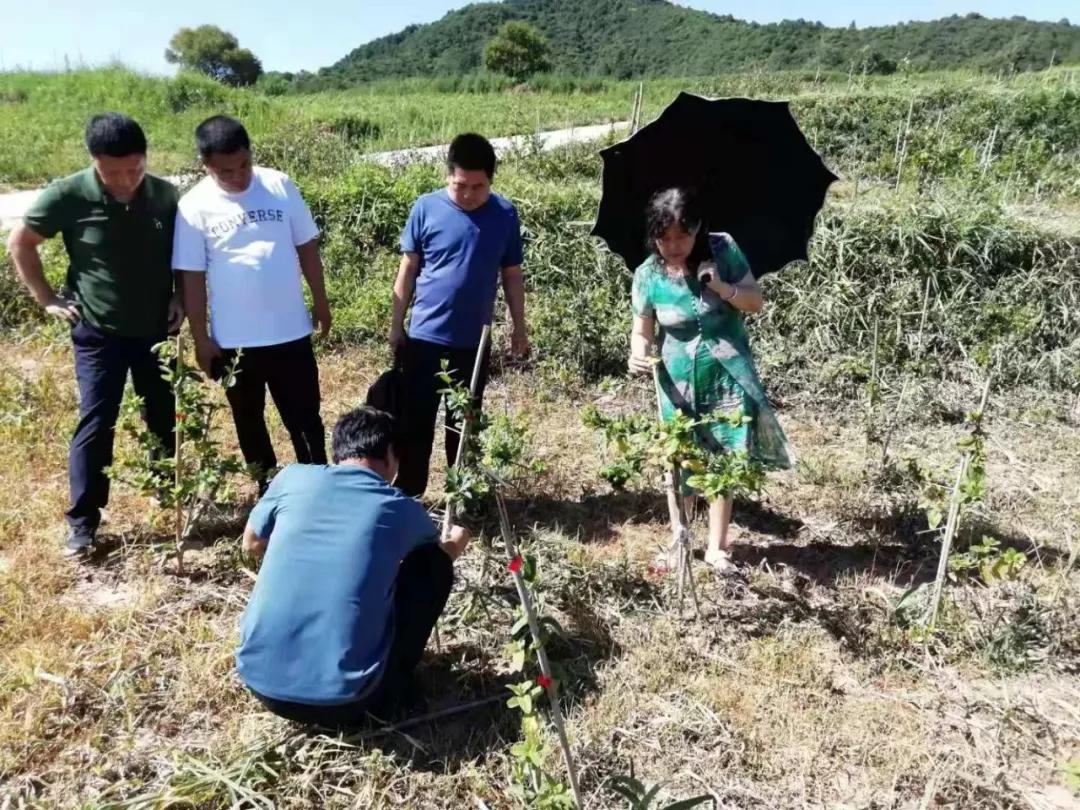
[
  {"x": 60, "y": 307},
  {"x": 253, "y": 545},
  {"x": 397, "y": 341},
  {"x": 642, "y": 364},
  {"x": 458, "y": 541},
  {"x": 176, "y": 313},
  {"x": 322, "y": 317},
  {"x": 519, "y": 342},
  {"x": 206, "y": 351}
]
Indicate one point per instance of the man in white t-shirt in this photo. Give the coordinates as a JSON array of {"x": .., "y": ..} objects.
[{"x": 245, "y": 236}]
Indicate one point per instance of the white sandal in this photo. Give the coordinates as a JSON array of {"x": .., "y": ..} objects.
[{"x": 720, "y": 561}]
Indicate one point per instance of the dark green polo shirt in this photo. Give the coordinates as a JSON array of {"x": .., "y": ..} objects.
[{"x": 120, "y": 254}]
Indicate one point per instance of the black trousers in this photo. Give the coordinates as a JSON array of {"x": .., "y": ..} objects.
[
  {"x": 291, "y": 374},
  {"x": 421, "y": 362},
  {"x": 423, "y": 586},
  {"x": 102, "y": 363}
]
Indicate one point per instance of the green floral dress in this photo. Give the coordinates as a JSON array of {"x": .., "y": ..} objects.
[{"x": 707, "y": 367}]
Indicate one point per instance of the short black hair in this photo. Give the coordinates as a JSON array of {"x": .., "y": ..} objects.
[
  {"x": 473, "y": 153},
  {"x": 676, "y": 206},
  {"x": 221, "y": 135},
  {"x": 114, "y": 135},
  {"x": 365, "y": 432}
]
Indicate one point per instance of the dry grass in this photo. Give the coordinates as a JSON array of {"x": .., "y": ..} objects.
[{"x": 797, "y": 689}]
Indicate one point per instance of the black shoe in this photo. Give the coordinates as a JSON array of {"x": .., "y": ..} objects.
[
  {"x": 405, "y": 700},
  {"x": 79, "y": 543}
]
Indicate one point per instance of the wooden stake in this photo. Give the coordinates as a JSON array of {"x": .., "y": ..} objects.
[
  {"x": 541, "y": 653},
  {"x": 988, "y": 153},
  {"x": 466, "y": 424},
  {"x": 953, "y": 522},
  {"x": 680, "y": 527},
  {"x": 635, "y": 115},
  {"x": 904, "y": 144},
  {"x": 466, "y": 431},
  {"x": 178, "y": 443},
  {"x": 872, "y": 386}
]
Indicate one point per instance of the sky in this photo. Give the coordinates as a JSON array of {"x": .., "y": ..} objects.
[{"x": 292, "y": 35}]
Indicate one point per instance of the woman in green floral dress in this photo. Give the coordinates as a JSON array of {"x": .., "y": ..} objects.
[{"x": 706, "y": 367}]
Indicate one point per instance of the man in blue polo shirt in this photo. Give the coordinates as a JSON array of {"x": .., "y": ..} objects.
[
  {"x": 352, "y": 582},
  {"x": 457, "y": 244}
]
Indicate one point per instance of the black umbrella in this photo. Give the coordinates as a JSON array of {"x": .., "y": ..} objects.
[{"x": 756, "y": 176}]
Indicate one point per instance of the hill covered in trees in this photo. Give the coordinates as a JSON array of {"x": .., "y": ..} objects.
[{"x": 630, "y": 38}]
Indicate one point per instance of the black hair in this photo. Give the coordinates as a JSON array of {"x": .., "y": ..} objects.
[
  {"x": 676, "y": 206},
  {"x": 473, "y": 153},
  {"x": 363, "y": 433},
  {"x": 114, "y": 135},
  {"x": 221, "y": 135}
]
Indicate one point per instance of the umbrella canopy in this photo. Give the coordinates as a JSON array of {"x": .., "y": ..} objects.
[{"x": 755, "y": 174}]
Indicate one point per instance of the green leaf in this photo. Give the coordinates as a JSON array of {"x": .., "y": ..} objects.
[
  {"x": 519, "y": 625},
  {"x": 626, "y": 786},
  {"x": 647, "y": 799}
]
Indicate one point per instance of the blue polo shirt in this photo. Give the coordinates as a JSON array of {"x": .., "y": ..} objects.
[
  {"x": 461, "y": 253},
  {"x": 319, "y": 624}
]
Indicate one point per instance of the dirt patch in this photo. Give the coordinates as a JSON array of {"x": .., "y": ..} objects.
[{"x": 95, "y": 594}]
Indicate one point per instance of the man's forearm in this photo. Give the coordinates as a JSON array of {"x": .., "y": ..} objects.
[
  {"x": 193, "y": 286},
  {"x": 28, "y": 265},
  {"x": 514, "y": 290},
  {"x": 312, "y": 267},
  {"x": 404, "y": 287}
]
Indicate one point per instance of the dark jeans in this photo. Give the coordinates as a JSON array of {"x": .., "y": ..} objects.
[
  {"x": 290, "y": 372},
  {"x": 102, "y": 363},
  {"x": 423, "y": 586},
  {"x": 421, "y": 362}
]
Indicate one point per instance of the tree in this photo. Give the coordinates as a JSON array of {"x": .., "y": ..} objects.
[
  {"x": 518, "y": 50},
  {"x": 874, "y": 62},
  {"x": 214, "y": 52}
]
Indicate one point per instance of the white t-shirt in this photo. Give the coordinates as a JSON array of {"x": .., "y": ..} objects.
[{"x": 247, "y": 244}]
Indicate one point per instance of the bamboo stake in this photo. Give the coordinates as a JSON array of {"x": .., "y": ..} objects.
[
  {"x": 466, "y": 426},
  {"x": 989, "y": 150},
  {"x": 463, "y": 440},
  {"x": 178, "y": 442},
  {"x": 953, "y": 522},
  {"x": 871, "y": 399},
  {"x": 541, "y": 654},
  {"x": 891, "y": 425},
  {"x": 635, "y": 116},
  {"x": 904, "y": 146},
  {"x": 449, "y": 711},
  {"x": 680, "y": 528}
]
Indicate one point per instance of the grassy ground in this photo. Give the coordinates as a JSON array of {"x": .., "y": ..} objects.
[
  {"x": 808, "y": 682},
  {"x": 798, "y": 687}
]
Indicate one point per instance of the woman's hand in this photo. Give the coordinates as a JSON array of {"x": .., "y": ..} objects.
[
  {"x": 641, "y": 345},
  {"x": 744, "y": 296},
  {"x": 642, "y": 364}
]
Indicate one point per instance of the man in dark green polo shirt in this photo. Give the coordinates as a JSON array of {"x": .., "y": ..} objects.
[{"x": 117, "y": 225}]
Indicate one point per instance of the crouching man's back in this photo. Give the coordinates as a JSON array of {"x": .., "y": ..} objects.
[{"x": 351, "y": 585}]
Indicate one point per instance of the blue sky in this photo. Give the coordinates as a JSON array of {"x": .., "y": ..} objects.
[{"x": 293, "y": 34}]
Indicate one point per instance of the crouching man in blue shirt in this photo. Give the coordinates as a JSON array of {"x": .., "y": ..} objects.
[{"x": 351, "y": 585}]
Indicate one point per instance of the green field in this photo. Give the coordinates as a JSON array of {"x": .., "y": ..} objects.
[
  {"x": 854, "y": 123},
  {"x": 948, "y": 255}
]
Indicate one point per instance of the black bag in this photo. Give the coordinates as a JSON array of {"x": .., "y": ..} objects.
[{"x": 386, "y": 392}]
